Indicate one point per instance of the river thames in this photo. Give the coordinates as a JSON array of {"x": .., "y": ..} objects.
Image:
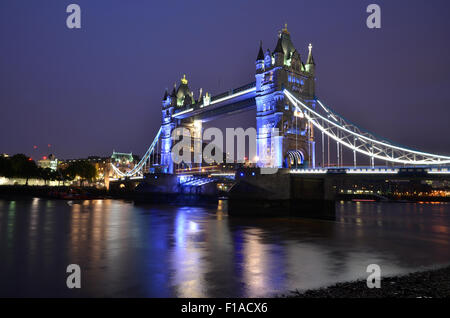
[{"x": 128, "y": 250}]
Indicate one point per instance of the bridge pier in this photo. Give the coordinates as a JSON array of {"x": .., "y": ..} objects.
[{"x": 281, "y": 194}]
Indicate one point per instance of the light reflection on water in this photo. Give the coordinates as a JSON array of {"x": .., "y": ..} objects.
[{"x": 168, "y": 251}]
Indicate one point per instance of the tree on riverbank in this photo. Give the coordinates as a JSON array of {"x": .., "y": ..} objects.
[
  {"x": 19, "y": 166},
  {"x": 5, "y": 167},
  {"x": 81, "y": 169},
  {"x": 48, "y": 174},
  {"x": 22, "y": 166}
]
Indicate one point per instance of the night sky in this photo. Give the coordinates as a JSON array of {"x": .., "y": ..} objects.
[{"x": 89, "y": 91}]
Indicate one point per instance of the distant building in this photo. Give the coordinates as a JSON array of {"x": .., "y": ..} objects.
[
  {"x": 124, "y": 161},
  {"x": 101, "y": 165},
  {"x": 122, "y": 158},
  {"x": 49, "y": 162}
]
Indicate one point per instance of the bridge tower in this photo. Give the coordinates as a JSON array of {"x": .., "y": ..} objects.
[
  {"x": 179, "y": 98},
  {"x": 169, "y": 103},
  {"x": 283, "y": 68}
]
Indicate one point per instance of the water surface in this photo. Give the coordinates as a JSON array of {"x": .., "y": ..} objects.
[{"x": 127, "y": 250}]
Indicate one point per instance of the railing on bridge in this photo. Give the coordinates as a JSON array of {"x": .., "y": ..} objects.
[{"x": 375, "y": 170}]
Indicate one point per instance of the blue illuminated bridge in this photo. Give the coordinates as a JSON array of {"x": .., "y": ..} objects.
[{"x": 296, "y": 130}]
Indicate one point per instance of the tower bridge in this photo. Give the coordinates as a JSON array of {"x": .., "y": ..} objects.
[{"x": 283, "y": 95}]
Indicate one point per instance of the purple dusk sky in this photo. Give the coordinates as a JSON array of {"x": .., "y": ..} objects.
[{"x": 89, "y": 91}]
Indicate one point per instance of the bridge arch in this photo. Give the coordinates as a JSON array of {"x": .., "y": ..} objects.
[{"x": 294, "y": 159}]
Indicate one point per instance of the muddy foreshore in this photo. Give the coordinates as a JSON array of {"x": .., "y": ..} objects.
[{"x": 424, "y": 284}]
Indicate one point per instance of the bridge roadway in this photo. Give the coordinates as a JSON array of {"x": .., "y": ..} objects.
[
  {"x": 429, "y": 173},
  {"x": 402, "y": 173}
]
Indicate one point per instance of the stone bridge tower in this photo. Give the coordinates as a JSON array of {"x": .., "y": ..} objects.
[
  {"x": 180, "y": 97},
  {"x": 283, "y": 68}
]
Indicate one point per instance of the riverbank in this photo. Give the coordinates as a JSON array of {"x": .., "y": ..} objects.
[
  {"x": 23, "y": 191},
  {"x": 17, "y": 192},
  {"x": 425, "y": 284}
]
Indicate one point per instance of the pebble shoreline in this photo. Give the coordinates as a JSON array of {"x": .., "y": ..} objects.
[{"x": 425, "y": 284}]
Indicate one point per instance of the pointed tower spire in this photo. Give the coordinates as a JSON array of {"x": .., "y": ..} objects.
[
  {"x": 174, "y": 91},
  {"x": 184, "y": 80},
  {"x": 310, "y": 56},
  {"x": 310, "y": 64},
  {"x": 200, "y": 95},
  {"x": 279, "y": 47},
  {"x": 260, "y": 53}
]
